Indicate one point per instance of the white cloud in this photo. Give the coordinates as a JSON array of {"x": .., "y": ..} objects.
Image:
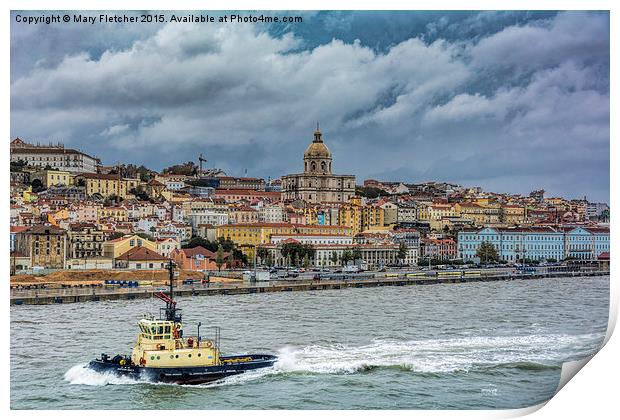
[{"x": 571, "y": 35}]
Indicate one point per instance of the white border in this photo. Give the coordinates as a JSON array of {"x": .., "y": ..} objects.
[{"x": 592, "y": 393}]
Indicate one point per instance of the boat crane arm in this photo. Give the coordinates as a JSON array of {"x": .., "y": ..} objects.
[{"x": 165, "y": 298}]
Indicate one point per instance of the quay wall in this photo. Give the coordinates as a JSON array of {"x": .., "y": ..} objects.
[{"x": 57, "y": 296}]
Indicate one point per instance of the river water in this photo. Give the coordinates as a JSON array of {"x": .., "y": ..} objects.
[{"x": 447, "y": 346}]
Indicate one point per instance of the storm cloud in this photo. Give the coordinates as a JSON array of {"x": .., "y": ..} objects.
[{"x": 507, "y": 102}]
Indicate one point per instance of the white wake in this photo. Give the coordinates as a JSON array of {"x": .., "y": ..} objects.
[{"x": 419, "y": 356}]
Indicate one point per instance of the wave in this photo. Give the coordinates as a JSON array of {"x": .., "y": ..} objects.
[
  {"x": 531, "y": 352},
  {"x": 425, "y": 357},
  {"x": 83, "y": 375}
]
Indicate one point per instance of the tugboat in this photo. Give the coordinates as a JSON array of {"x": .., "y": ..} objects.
[{"x": 162, "y": 354}]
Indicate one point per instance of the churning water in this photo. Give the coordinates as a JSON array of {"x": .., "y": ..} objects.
[{"x": 452, "y": 346}]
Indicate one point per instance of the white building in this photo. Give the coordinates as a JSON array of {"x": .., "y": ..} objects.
[
  {"x": 206, "y": 216},
  {"x": 166, "y": 246},
  {"x": 314, "y": 239},
  {"x": 55, "y": 156},
  {"x": 273, "y": 213}
]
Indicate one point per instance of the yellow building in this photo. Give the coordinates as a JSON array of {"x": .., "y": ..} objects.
[
  {"x": 423, "y": 212},
  {"x": 479, "y": 214},
  {"x": 311, "y": 215},
  {"x": 360, "y": 218},
  {"x": 55, "y": 217},
  {"x": 107, "y": 185},
  {"x": 555, "y": 201},
  {"x": 242, "y": 214},
  {"x": 438, "y": 211},
  {"x": 372, "y": 217},
  {"x": 249, "y": 235},
  {"x": 118, "y": 214},
  {"x": 53, "y": 177},
  {"x": 513, "y": 214},
  {"x": 28, "y": 195},
  {"x": 116, "y": 247}
]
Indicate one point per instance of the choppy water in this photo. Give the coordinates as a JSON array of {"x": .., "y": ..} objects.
[{"x": 453, "y": 346}]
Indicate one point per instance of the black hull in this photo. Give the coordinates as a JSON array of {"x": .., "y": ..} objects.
[{"x": 185, "y": 375}]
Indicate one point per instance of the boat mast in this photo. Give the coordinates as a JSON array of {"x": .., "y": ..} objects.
[
  {"x": 171, "y": 276},
  {"x": 171, "y": 305}
]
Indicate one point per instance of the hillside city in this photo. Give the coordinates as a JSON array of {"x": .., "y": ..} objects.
[{"x": 71, "y": 212}]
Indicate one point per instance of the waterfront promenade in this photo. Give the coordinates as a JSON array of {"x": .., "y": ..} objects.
[{"x": 90, "y": 294}]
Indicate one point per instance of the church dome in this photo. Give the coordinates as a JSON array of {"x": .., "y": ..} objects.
[{"x": 317, "y": 149}]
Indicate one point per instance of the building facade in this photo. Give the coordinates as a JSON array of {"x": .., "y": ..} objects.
[
  {"x": 55, "y": 156},
  {"x": 85, "y": 241},
  {"x": 536, "y": 243},
  {"x": 106, "y": 185},
  {"x": 317, "y": 183},
  {"x": 45, "y": 245}
]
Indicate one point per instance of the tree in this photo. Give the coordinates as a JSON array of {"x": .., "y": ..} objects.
[
  {"x": 219, "y": 257},
  {"x": 140, "y": 193},
  {"x": 293, "y": 251},
  {"x": 334, "y": 258},
  {"x": 306, "y": 262},
  {"x": 309, "y": 251},
  {"x": 347, "y": 256},
  {"x": 371, "y": 192},
  {"x": 18, "y": 165},
  {"x": 145, "y": 235},
  {"x": 269, "y": 260},
  {"x": 115, "y": 235},
  {"x": 111, "y": 200},
  {"x": 402, "y": 251},
  {"x": 200, "y": 241},
  {"x": 487, "y": 253},
  {"x": 187, "y": 168},
  {"x": 37, "y": 186},
  {"x": 262, "y": 254},
  {"x": 356, "y": 255}
]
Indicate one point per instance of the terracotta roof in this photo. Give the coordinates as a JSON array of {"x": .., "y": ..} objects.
[
  {"x": 42, "y": 229},
  {"x": 199, "y": 250},
  {"x": 141, "y": 253},
  {"x": 17, "y": 229}
]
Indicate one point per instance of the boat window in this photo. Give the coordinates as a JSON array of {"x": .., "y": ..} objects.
[
  {"x": 167, "y": 329},
  {"x": 160, "y": 330}
]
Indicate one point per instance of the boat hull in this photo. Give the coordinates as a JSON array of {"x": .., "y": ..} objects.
[{"x": 186, "y": 375}]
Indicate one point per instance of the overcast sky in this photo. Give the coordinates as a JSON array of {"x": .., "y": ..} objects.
[{"x": 509, "y": 101}]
